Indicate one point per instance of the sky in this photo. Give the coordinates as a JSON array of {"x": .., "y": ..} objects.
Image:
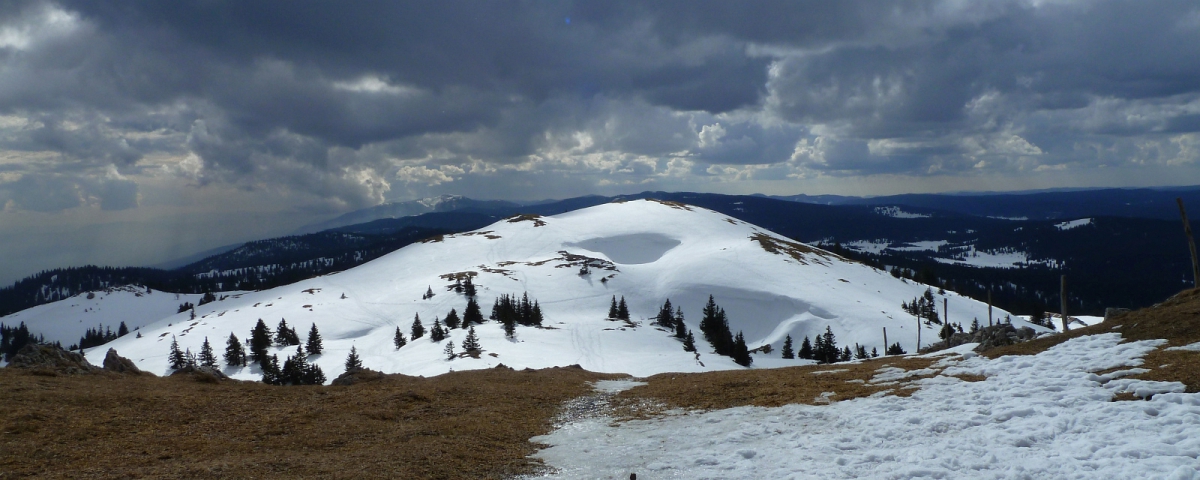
[{"x": 136, "y": 132}]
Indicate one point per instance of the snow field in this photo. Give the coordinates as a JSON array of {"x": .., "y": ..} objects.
[
  {"x": 1042, "y": 416},
  {"x": 659, "y": 251}
]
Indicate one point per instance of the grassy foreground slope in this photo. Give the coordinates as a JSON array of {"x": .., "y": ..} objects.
[{"x": 472, "y": 424}]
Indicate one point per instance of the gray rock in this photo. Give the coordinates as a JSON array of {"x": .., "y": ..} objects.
[
  {"x": 50, "y": 357},
  {"x": 357, "y": 376},
  {"x": 119, "y": 364}
]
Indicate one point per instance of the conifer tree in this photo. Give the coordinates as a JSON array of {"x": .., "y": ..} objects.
[
  {"x": 176, "y": 357},
  {"x": 806, "y": 349},
  {"x": 874, "y": 353},
  {"x": 829, "y": 352},
  {"x": 860, "y": 352},
  {"x": 895, "y": 349},
  {"x": 845, "y": 355},
  {"x": 741, "y": 354},
  {"x": 715, "y": 327},
  {"x": 681, "y": 329},
  {"x": 622, "y": 309},
  {"x": 472, "y": 315},
  {"x": 452, "y": 320},
  {"x": 536, "y": 317},
  {"x": 612, "y": 309},
  {"x": 787, "y": 348},
  {"x": 315, "y": 346},
  {"x": 666, "y": 316},
  {"x": 285, "y": 336},
  {"x": 689, "y": 342},
  {"x": 235, "y": 353},
  {"x": 189, "y": 359},
  {"x": 449, "y": 350},
  {"x": 353, "y": 363},
  {"x": 398, "y": 339},
  {"x": 428, "y": 293},
  {"x": 469, "y": 288},
  {"x": 122, "y": 330},
  {"x": 260, "y": 341},
  {"x": 510, "y": 328},
  {"x": 272, "y": 375},
  {"x": 436, "y": 333},
  {"x": 207, "y": 357},
  {"x": 819, "y": 350},
  {"x": 472, "y": 341},
  {"x": 418, "y": 330}
]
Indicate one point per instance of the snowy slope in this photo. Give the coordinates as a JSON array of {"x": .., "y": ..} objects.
[
  {"x": 655, "y": 251},
  {"x": 1042, "y": 416},
  {"x": 67, "y": 320}
]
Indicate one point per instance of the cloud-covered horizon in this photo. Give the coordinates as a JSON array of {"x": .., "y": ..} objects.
[{"x": 324, "y": 107}]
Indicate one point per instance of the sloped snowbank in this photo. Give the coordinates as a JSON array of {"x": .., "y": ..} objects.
[{"x": 1043, "y": 416}]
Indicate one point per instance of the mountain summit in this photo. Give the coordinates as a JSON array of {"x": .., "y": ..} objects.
[{"x": 643, "y": 252}]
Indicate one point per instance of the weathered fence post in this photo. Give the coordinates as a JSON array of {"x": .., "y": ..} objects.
[
  {"x": 885, "y": 344},
  {"x": 1187, "y": 228},
  {"x": 1063, "y": 294}
]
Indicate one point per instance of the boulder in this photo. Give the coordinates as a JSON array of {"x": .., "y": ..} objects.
[
  {"x": 51, "y": 358},
  {"x": 357, "y": 376},
  {"x": 119, "y": 364}
]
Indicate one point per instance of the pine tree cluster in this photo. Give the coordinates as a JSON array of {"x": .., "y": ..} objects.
[
  {"x": 715, "y": 328},
  {"x": 286, "y": 336},
  {"x": 618, "y": 310},
  {"x": 511, "y": 312},
  {"x": 295, "y": 371},
  {"x": 100, "y": 335},
  {"x": 923, "y": 307}
]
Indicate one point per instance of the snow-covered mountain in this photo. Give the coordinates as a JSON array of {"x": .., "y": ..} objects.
[{"x": 645, "y": 251}]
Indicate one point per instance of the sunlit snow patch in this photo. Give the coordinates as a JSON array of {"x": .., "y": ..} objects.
[
  {"x": 896, "y": 212},
  {"x": 1073, "y": 223}
]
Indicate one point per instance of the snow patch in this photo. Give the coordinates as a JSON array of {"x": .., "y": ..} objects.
[
  {"x": 896, "y": 212},
  {"x": 1041, "y": 416},
  {"x": 633, "y": 249},
  {"x": 1073, "y": 224}
]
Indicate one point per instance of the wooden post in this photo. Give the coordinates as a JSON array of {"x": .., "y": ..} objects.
[
  {"x": 918, "y": 336},
  {"x": 885, "y": 344},
  {"x": 1063, "y": 293},
  {"x": 1187, "y": 228},
  {"x": 989, "y": 305},
  {"x": 945, "y": 312}
]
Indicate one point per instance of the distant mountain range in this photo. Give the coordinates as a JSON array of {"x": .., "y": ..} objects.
[
  {"x": 1130, "y": 253},
  {"x": 1113, "y": 202}
]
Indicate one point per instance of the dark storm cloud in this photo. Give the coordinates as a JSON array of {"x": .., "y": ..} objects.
[{"x": 337, "y": 100}]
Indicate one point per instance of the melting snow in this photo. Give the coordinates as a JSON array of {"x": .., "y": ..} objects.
[{"x": 1042, "y": 416}]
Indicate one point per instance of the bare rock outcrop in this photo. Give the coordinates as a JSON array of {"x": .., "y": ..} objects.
[
  {"x": 119, "y": 364},
  {"x": 51, "y": 358}
]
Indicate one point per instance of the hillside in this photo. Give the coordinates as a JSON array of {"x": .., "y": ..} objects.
[{"x": 644, "y": 251}]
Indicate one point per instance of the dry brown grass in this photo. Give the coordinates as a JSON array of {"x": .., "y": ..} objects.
[
  {"x": 764, "y": 388},
  {"x": 472, "y": 424}
]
